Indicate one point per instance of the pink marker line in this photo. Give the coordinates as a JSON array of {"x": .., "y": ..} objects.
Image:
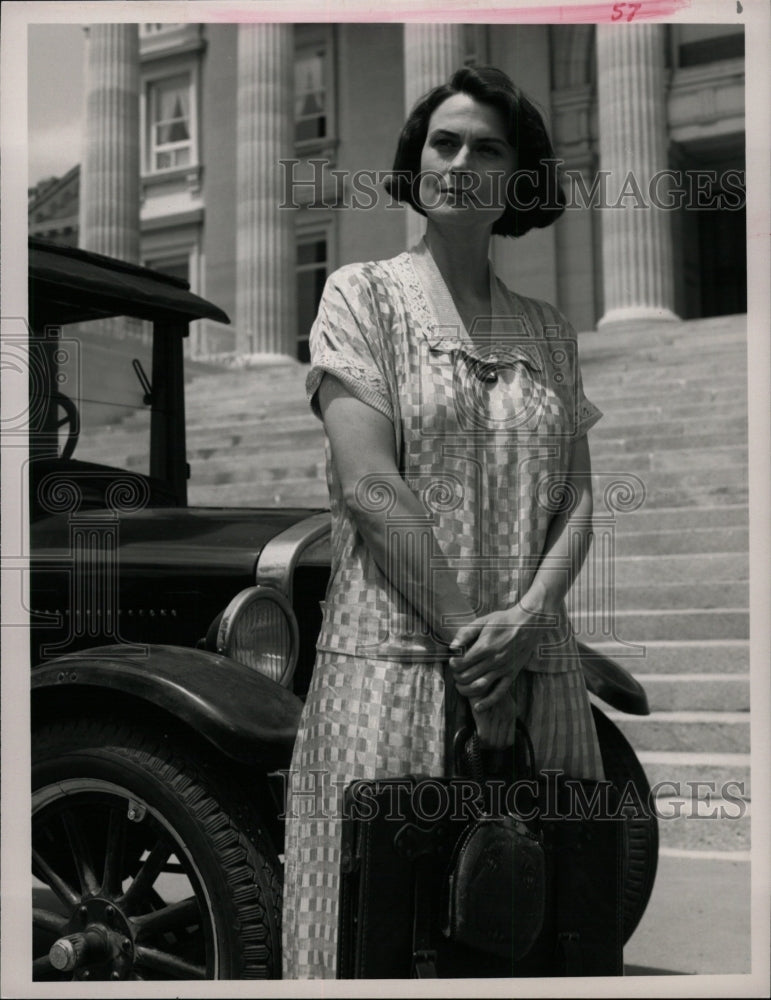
[{"x": 590, "y": 13}]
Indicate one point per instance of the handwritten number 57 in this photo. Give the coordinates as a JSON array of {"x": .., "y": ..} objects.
[{"x": 619, "y": 10}]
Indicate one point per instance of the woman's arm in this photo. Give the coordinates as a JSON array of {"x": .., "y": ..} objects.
[
  {"x": 500, "y": 644},
  {"x": 568, "y": 539},
  {"x": 361, "y": 441}
]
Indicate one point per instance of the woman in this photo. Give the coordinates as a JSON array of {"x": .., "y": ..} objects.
[{"x": 455, "y": 424}]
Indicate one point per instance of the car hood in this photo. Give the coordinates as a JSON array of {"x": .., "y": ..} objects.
[{"x": 208, "y": 539}]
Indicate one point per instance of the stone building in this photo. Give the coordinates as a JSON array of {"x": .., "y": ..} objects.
[{"x": 245, "y": 158}]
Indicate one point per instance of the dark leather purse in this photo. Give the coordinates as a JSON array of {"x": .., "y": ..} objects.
[{"x": 496, "y": 887}]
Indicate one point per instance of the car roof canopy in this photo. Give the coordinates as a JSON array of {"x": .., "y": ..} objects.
[{"x": 69, "y": 285}]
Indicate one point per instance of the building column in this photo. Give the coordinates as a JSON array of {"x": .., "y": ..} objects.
[
  {"x": 578, "y": 240},
  {"x": 109, "y": 182},
  {"x": 637, "y": 242},
  {"x": 265, "y": 238},
  {"x": 432, "y": 53}
]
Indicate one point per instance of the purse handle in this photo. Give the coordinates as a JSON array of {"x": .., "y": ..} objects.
[{"x": 463, "y": 746}]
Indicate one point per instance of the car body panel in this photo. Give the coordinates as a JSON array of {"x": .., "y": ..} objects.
[
  {"x": 244, "y": 714},
  {"x": 68, "y": 285}
]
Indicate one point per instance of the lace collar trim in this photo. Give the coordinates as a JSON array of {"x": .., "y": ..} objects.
[{"x": 512, "y": 337}]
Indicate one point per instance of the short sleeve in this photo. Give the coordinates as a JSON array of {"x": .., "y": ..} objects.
[
  {"x": 344, "y": 341},
  {"x": 585, "y": 413}
]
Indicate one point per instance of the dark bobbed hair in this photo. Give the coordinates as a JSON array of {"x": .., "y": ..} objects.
[{"x": 534, "y": 197}]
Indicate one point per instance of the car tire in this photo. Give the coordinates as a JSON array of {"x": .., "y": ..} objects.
[
  {"x": 641, "y": 834},
  {"x": 149, "y": 862}
]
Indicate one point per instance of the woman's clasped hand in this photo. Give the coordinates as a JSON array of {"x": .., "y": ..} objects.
[{"x": 485, "y": 658}]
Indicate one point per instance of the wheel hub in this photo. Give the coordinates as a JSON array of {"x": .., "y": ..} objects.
[{"x": 98, "y": 943}]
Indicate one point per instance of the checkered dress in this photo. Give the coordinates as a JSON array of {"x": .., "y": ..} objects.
[{"x": 484, "y": 420}]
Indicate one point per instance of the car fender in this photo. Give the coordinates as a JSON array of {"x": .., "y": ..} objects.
[
  {"x": 245, "y": 715},
  {"x": 609, "y": 681}
]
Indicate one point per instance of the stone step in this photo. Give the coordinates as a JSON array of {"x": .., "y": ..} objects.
[
  {"x": 256, "y": 386},
  {"x": 686, "y": 731},
  {"x": 696, "y": 692},
  {"x": 268, "y": 467},
  {"x": 707, "y": 356},
  {"x": 647, "y": 412},
  {"x": 621, "y": 392},
  {"x": 642, "y": 626},
  {"x": 673, "y": 772},
  {"x": 728, "y": 515},
  {"x": 201, "y": 429},
  {"x": 734, "y": 594},
  {"x": 688, "y": 333},
  {"x": 252, "y": 442},
  {"x": 636, "y": 374},
  {"x": 722, "y": 458},
  {"x": 731, "y": 356},
  {"x": 672, "y": 496},
  {"x": 674, "y": 656},
  {"x": 705, "y": 824},
  {"x": 663, "y": 444},
  {"x": 242, "y": 403},
  {"x": 673, "y": 541},
  {"x": 303, "y": 493},
  {"x": 711, "y": 567},
  {"x": 695, "y": 480},
  {"x": 708, "y": 425}
]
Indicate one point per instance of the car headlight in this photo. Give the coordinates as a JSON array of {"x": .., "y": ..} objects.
[{"x": 259, "y": 628}]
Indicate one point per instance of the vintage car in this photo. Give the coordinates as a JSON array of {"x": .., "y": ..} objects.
[{"x": 171, "y": 648}]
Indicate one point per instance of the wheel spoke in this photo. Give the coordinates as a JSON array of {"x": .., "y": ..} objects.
[
  {"x": 170, "y": 965},
  {"x": 113, "y": 856},
  {"x": 176, "y": 916},
  {"x": 47, "y": 920},
  {"x": 42, "y": 870},
  {"x": 147, "y": 874},
  {"x": 42, "y": 968},
  {"x": 81, "y": 853}
]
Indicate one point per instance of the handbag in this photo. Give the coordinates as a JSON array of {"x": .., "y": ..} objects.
[
  {"x": 496, "y": 883},
  {"x": 479, "y": 889}
]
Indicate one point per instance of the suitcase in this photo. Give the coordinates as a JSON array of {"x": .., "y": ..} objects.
[{"x": 397, "y": 842}]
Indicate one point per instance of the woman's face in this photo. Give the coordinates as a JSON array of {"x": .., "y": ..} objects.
[{"x": 466, "y": 163}]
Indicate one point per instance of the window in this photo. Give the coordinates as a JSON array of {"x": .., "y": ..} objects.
[
  {"x": 312, "y": 84},
  {"x": 170, "y": 123},
  {"x": 698, "y": 44},
  {"x": 312, "y": 270}
]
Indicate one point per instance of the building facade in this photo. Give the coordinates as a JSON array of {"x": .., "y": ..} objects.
[{"x": 249, "y": 160}]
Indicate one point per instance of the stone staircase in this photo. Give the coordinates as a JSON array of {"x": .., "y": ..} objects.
[{"x": 675, "y": 405}]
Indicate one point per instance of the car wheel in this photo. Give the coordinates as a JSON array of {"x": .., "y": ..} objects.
[
  {"x": 641, "y": 824},
  {"x": 148, "y": 864}
]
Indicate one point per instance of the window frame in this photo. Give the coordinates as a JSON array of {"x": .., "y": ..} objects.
[
  {"x": 306, "y": 235},
  {"x": 313, "y": 36},
  {"x": 150, "y": 80}
]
